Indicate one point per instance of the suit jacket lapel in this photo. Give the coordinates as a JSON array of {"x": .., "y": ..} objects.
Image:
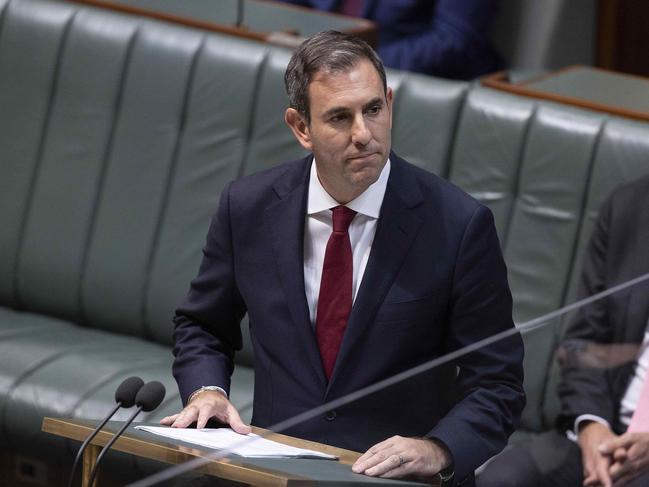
[
  {"x": 285, "y": 222},
  {"x": 397, "y": 227}
]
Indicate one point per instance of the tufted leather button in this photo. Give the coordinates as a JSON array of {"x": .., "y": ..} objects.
[{"x": 331, "y": 415}]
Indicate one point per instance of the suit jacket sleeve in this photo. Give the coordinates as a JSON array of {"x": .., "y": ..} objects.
[
  {"x": 207, "y": 324},
  {"x": 490, "y": 388},
  {"x": 585, "y": 390}
]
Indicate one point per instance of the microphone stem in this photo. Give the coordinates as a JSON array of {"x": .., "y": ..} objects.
[
  {"x": 89, "y": 439},
  {"x": 110, "y": 443}
]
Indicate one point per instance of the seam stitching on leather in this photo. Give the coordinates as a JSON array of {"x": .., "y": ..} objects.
[
  {"x": 250, "y": 130},
  {"x": 108, "y": 149},
  {"x": 39, "y": 158},
  {"x": 583, "y": 209},
  {"x": 128, "y": 368},
  {"x": 29, "y": 371},
  {"x": 162, "y": 213},
  {"x": 450, "y": 152},
  {"x": 3, "y": 15},
  {"x": 515, "y": 189}
]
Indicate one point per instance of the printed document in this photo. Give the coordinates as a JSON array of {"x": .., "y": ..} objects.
[{"x": 251, "y": 446}]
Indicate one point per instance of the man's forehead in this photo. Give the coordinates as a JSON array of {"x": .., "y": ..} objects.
[
  {"x": 362, "y": 66},
  {"x": 358, "y": 84}
]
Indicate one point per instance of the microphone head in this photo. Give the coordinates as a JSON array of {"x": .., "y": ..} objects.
[
  {"x": 150, "y": 396},
  {"x": 127, "y": 390}
]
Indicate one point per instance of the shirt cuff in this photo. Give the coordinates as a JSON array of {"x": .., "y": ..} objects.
[
  {"x": 206, "y": 388},
  {"x": 573, "y": 435}
]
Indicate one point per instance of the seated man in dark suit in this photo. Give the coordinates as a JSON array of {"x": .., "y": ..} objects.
[
  {"x": 448, "y": 38},
  {"x": 353, "y": 266},
  {"x": 604, "y": 359}
]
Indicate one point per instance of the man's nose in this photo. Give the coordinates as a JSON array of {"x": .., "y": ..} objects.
[{"x": 361, "y": 134}]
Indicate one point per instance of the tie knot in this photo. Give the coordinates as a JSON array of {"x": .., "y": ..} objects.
[{"x": 342, "y": 217}]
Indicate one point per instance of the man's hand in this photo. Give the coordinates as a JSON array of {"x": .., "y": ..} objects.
[
  {"x": 400, "y": 457},
  {"x": 630, "y": 453},
  {"x": 206, "y": 405},
  {"x": 596, "y": 464}
]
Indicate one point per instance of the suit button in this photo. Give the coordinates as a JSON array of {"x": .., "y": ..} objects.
[{"x": 331, "y": 415}]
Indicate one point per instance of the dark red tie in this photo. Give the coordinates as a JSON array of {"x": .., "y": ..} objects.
[{"x": 335, "y": 299}]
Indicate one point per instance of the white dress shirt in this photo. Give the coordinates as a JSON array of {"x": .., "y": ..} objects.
[{"x": 319, "y": 225}]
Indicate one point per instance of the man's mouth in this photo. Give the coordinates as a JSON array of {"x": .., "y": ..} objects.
[{"x": 362, "y": 156}]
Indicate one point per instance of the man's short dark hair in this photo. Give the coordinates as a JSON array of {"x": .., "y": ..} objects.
[{"x": 329, "y": 51}]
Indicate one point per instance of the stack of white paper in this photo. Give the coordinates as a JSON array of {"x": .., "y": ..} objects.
[{"x": 251, "y": 446}]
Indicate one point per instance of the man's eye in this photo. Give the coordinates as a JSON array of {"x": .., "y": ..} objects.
[
  {"x": 338, "y": 118},
  {"x": 373, "y": 110}
]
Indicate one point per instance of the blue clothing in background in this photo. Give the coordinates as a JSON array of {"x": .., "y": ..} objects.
[{"x": 447, "y": 38}]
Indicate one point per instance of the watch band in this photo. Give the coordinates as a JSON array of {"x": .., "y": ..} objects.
[
  {"x": 446, "y": 476},
  {"x": 206, "y": 388}
]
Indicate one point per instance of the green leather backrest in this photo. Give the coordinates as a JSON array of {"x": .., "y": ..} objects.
[
  {"x": 270, "y": 142},
  {"x": 489, "y": 144},
  {"x": 26, "y": 85},
  {"x": 117, "y": 136},
  {"x": 213, "y": 147},
  {"x": 622, "y": 156},
  {"x": 532, "y": 162},
  {"x": 425, "y": 114}
]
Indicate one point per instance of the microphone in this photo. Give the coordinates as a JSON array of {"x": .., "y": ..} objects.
[
  {"x": 147, "y": 399},
  {"x": 125, "y": 398}
]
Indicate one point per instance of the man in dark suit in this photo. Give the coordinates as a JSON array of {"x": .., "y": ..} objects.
[
  {"x": 353, "y": 266},
  {"x": 604, "y": 361},
  {"x": 448, "y": 38}
]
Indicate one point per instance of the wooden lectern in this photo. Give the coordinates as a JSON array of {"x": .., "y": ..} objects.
[{"x": 275, "y": 472}]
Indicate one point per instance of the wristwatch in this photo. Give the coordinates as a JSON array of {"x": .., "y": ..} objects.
[
  {"x": 446, "y": 476},
  {"x": 203, "y": 389}
]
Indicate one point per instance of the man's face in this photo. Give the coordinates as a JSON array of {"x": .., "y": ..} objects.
[{"x": 349, "y": 131}]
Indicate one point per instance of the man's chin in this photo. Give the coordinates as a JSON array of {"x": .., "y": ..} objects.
[{"x": 365, "y": 178}]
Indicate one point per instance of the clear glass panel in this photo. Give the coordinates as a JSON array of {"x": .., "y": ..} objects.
[{"x": 576, "y": 352}]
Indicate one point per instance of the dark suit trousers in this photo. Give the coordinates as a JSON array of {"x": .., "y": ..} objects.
[{"x": 548, "y": 460}]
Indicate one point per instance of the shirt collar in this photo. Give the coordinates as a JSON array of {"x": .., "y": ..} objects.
[{"x": 367, "y": 203}]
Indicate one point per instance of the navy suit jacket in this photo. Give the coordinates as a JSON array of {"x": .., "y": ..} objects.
[
  {"x": 435, "y": 281},
  {"x": 448, "y": 38}
]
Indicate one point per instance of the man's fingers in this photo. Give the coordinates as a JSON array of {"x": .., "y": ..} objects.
[
  {"x": 603, "y": 475},
  {"x": 620, "y": 455},
  {"x": 369, "y": 462},
  {"x": 168, "y": 419},
  {"x": 235, "y": 422},
  {"x": 619, "y": 470},
  {"x": 591, "y": 480},
  {"x": 365, "y": 457},
  {"x": 204, "y": 415},
  {"x": 623, "y": 441},
  {"x": 186, "y": 417},
  {"x": 392, "y": 462},
  {"x": 374, "y": 455},
  {"x": 398, "y": 472}
]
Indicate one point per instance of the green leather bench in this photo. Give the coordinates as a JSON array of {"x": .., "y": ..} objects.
[{"x": 117, "y": 134}]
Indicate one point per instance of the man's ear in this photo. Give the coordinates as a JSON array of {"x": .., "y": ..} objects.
[
  {"x": 299, "y": 127},
  {"x": 388, "y": 99}
]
